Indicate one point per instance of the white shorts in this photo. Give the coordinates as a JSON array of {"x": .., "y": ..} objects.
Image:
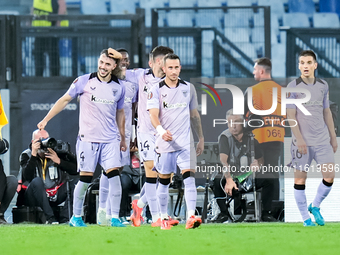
[
  {"x": 89, "y": 154},
  {"x": 322, "y": 154},
  {"x": 167, "y": 162},
  {"x": 146, "y": 146}
]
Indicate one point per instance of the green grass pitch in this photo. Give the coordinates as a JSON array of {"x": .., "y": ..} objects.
[{"x": 242, "y": 238}]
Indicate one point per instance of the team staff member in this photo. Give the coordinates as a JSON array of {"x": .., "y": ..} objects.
[
  {"x": 312, "y": 138},
  {"x": 271, "y": 135},
  {"x": 172, "y": 104},
  {"x": 101, "y": 129}
]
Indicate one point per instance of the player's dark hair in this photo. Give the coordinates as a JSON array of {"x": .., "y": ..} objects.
[
  {"x": 308, "y": 53},
  {"x": 265, "y": 63},
  {"x": 160, "y": 51},
  {"x": 121, "y": 50},
  {"x": 117, "y": 71},
  {"x": 171, "y": 56}
]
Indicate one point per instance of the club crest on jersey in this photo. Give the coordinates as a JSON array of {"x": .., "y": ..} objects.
[
  {"x": 164, "y": 95},
  {"x": 185, "y": 93},
  {"x": 93, "y": 88},
  {"x": 150, "y": 95},
  {"x": 114, "y": 91}
]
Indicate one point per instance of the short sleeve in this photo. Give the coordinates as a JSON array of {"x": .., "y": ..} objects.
[
  {"x": 120, "y": 103},
  {"x": 153, "y": 97},
  {"x": 77, "y": 86},
  {"x": 224, "y": 145},
  {"x": 193, "y": 98}
]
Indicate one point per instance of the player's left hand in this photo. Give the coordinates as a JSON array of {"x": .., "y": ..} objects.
[
  {"x": 123, "y": 145},
  {"x": 200, "y": 147},
  {"x": 51, "y": 154},
  {"x": 334, "y": 144}
]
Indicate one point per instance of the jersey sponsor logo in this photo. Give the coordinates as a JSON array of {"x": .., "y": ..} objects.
[
  {"x": 101, "y": 101},
  {"x": 75, "y": 81},
  {"x": 146, "y": 90},
  {"x": 150, "y": 95},
  {"x": 173, "y": 106},
  {"x": 127, "y": 100}
]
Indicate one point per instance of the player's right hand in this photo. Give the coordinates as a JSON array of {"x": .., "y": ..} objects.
[
  {"x": 42, "y": 124},
  {"x": 167, "y": 136},
  {"x": 229, "y": 186},
  {"x": 302, "y": 147}
]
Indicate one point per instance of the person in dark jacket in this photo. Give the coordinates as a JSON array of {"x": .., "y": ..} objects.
[{"x": 46, "y": 176}]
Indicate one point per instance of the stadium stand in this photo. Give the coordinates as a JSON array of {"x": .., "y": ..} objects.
[
  {"x": 326, "y": 20},
  {"x": 329, "y": 6},
  {"x": 306, "y": 6},
  {"x": 297, "y": 19},
  {"x": 93, "y": 7}
]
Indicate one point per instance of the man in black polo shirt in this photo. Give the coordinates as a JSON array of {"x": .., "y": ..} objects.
[{"x": 235, "y": 156}]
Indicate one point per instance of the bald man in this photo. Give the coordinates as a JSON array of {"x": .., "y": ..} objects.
[{"x": 44, "y": 176}]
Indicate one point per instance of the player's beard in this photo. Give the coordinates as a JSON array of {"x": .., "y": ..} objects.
[{"x": 101, "y": 76}]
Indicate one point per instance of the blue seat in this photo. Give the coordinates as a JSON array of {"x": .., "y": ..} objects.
[
  {"x": 276, "y": 6},
  {"x": 297, "y": 19},
  {"x": 123, "y": 7},
  {"x": 329, "y": 6},
  {"x": 210, "y": 3},
  {"x": 306, "y": 6},
  {"x": 326, "y": 20},
  {"x": 148, "y": 5},
  {"x": 279, "y": 60},
  {"x": 240, "y": 2},
  {"x": 182, "y": 3},
  {"x": 93, "y": 7}
]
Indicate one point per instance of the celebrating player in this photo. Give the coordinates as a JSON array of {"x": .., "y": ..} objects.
[{"x": 172, "y": 103}]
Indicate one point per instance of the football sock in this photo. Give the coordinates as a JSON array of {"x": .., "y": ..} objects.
[
  {"x": 78, "y": 197},
  {"x": 190, "y": 194},
  {"x": 115, "y": 192},
  {"x": 301, "y": 201},
  {"x": 163, "y": 196},
  {"x": 322, "y": 192},
  {"x": 150, "y": 192},
  {"x": 103, "y": 190}
]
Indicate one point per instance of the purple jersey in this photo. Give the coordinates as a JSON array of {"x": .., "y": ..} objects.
[
  {"x": 99, "y": 102},
  {"x": 312, "y": 127},
  {"x": 145, "y": 80},
  {"x": 131, "y": 92},
  {"x": 174, "y": 106}
]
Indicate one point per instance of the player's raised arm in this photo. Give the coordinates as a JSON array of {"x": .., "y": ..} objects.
[{"x": 57, "y": 107}]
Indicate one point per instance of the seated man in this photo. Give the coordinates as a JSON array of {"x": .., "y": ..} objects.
[
  {"x": 8, "y": 186},
  {"x": 45, "y": 174},
  {"x": 235, "y": 155}
]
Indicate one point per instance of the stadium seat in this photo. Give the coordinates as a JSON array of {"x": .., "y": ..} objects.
[
  {"x": 278, "y": 60},
  {"x": 239, "y": 3},
  {"x": 148, "y": 5},
  {"x": 329, "y": 6},
  {"x": 276, "y": 6},
  {"x": 123, "y": 7},
  {"x": 182, "y": 3},
  {"x": 237, "y": 34},
  {"x": 306, "y": 6},
  {"x": 326, "y": 20},
  {"x": 257, "y": 34},
  {"x": 297, "y": 19},
  {"x": 93, "y": 7},
  {"x": 180, "y": 19},
  {"x": 210, "y": 19},
  {"x": 238, "y": 18},
  {"x": 209, "y": 3},
  {"x": 9, "y": 12}
]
